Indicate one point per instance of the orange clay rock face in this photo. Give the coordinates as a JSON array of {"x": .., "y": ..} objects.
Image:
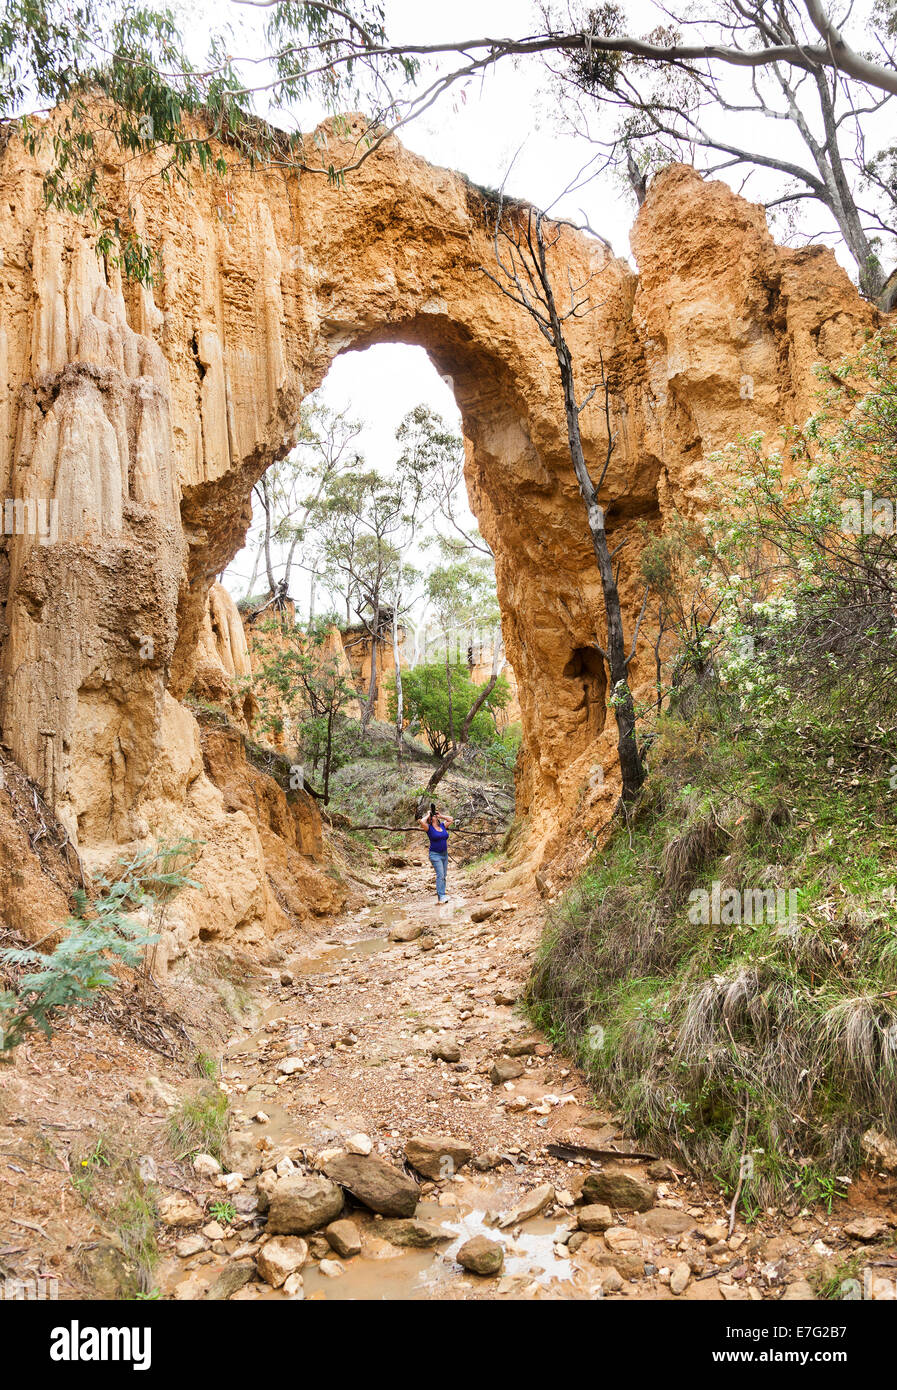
[{"x": 147, "y": 415}]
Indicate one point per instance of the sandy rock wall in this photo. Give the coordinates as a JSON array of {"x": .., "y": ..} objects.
[{"x": 146, "y": 416}]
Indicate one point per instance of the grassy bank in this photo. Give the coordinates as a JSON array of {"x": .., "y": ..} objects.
[
  {"x": 778, "y": 1038},
  {"x": 727, "y": 967}
]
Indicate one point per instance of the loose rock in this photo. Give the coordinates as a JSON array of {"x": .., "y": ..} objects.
[
  {"x": 880, "y": 1151},
  {"x": 445, "y": 1050},
  {"x": 617, "y": 1188},
  {"x": 300, "y": 1204},
  {"x": 595, "y": 1218},
  {"x": 406, "y": 931},
  {"x": 344, "y": 1237},
  {"x": 437, "y": 1156},
  {"x": 281, "y": 1257},
  {"x": 532, "y": 1204},
  {"x": 799, "y": 1291},
  {"x": 417, "y": 1235},
  {"x": 480, "y": 1255},
  {"x": 206, "y": 1165},
  {"x": 375, "y": 1183},
  {"x": 622, "y": 1240},
  {"x": 178, "y": 1210},
  {"x": 505, "y": 1069},
  {"x": 866, "y": 1228},
  {"x": 235, "y": 1276},
  {"x": 665, "y": 1221}
]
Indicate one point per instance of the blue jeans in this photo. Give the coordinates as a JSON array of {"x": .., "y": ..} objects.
[{"x": 440, "y": 864}]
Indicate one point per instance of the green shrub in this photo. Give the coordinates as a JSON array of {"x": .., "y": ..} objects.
[
  {"x": 437, "y": 701},
  {"x": 99, "y": 932},
  {"x": 731, "y": 1037}
]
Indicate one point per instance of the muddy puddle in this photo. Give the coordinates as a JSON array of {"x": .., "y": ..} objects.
[
  {"x": 323, "y": 962},
  {"x": 531, "y": 1255}
]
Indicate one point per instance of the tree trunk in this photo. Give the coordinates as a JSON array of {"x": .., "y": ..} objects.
[
  {"x": 887, "y": 300},
  {"x": 367, "y": 713},
  {"x": 453, "y": 752},
  {"x": 266, "y": 503},
  {"x": 328, "y": 758},
  {"x": 872, "y": 275},
  {"x": 250, "y": 588},
  {"x": 400, "y": 707},
  {"x": 448, "y": 682},
  {"x": 631, "y": 769}
]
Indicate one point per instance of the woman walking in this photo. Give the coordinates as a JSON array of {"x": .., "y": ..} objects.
[{"x": 436, "y": 827}]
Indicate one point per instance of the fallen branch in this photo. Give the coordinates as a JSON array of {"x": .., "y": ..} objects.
[
  {"x": 580, "y": 1153},
  {"x": 401, "y": 829}
]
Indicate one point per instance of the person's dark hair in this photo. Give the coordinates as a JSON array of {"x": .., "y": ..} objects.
[{"x": 432, "y": 816}]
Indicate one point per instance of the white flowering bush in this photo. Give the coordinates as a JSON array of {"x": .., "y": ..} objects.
[{"x": 799, "y": 562}]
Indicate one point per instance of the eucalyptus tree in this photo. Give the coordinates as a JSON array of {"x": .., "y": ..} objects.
[
  {"x": 128, "y": 81},
  {"x": 289, "y": 493},
  {"x": 808, "y": 137},
  {"x": 524, "y": 244},
  {"x": 359, "y": 520},
  {"x": 462, "y": 591}
]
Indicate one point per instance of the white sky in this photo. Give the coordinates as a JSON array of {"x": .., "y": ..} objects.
[{"x": 377, "y": 387}]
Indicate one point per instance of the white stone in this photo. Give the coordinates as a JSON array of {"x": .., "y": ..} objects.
[
  {"x": 280, "y": 1257},
  {"x": 206, "y": 1165},
  {"x": 229, "y": 1182}
]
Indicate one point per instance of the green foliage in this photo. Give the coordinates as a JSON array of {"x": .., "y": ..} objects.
[
  {"x": 199, "y": 1124},
  {"x": 134, "y": 1217},
  {"x": 95, "y": 1160},
  {"x": 462, "y": 592},
  {"x": 771, "y": 1038},
  {"x": 114, "y": 1190},
  {"x": 291, "y": 495},
  {"x": 222, "y": 1210},
  {"x": 301, "y": 687},
  {"x": 99, "y": 933},
  {"x": 800, "y": 566},
  {"x": 205, "y": 1064},
  {"x": 438, "y": 701},
  {"x": 360, "y": 519},
  {"x": 126, "y": 80}
]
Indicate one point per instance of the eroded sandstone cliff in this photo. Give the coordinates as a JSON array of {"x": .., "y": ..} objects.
[{"x": 147, "y": 416}]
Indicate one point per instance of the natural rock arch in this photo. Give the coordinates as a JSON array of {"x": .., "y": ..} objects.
[{"x": 149, "y": 415}]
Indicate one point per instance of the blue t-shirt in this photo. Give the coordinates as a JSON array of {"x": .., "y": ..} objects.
[{"x": 438, "y": 836}]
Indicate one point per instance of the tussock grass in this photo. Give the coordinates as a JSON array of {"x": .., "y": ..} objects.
[
  {"x": 199, "y": 1124},
  {"x": 134, "y": 1217},
  {"x": 772, "y": 1039}
]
